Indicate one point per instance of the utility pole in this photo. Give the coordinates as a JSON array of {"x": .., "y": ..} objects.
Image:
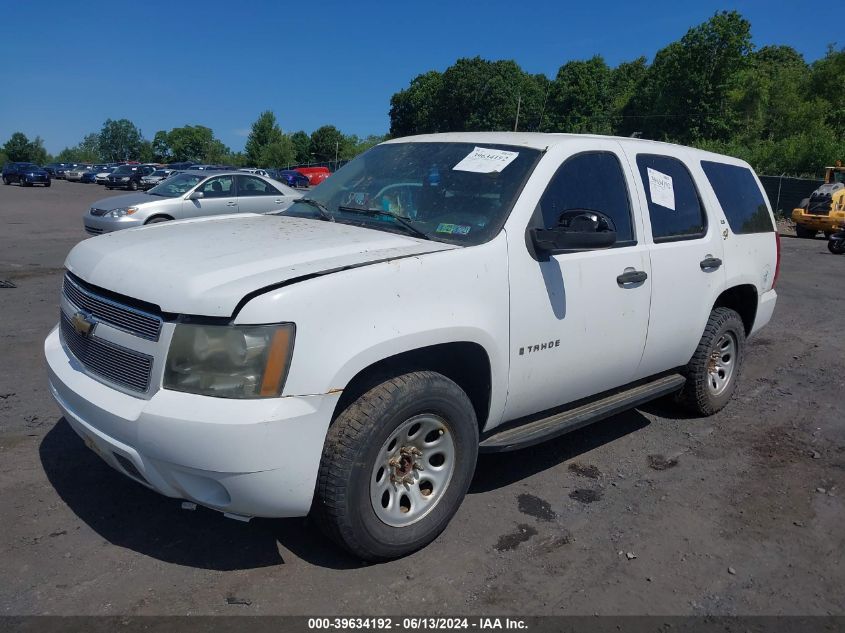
[
  {"x": 336, "y": 146},
  {"x": 518, "y": 104}
]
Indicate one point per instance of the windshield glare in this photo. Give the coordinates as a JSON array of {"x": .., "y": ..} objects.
[
  {"x": 124, "y": 170},
  {"x": 429, "y": 185},
  {"x": 175, "y": 185}
]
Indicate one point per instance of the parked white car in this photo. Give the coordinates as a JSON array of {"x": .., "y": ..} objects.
[
  {"x": 102, "y": 176},
  {"x": 437, "y": 296},
  {"x": 255, "y": 170},
  {"x": 151, "y": 180},
  {"x": 189, "y": 194}
]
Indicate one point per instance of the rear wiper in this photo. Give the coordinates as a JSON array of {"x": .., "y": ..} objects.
[
  {"x": 399, "y": 219},
  {"x": 324, "y": 212}
]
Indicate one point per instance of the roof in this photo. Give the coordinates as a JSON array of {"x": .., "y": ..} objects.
[{"x": 544, "y": 140}]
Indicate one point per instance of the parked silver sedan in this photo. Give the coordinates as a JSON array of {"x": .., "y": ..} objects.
[{"x": 190, "y": 194}]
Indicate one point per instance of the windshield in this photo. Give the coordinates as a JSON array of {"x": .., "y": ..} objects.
[
  {"x": 124, "y": 170},
  {"x": 176, "y": 185},
  {"x": 458, "y": 193}
]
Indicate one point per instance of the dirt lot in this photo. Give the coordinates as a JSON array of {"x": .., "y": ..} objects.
[{"x": 647, "y": 512}]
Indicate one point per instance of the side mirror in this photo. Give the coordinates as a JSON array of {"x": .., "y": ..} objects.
[
  {"x": 577, "y": 230},
  {"x": 196, "y": 195},
  {"x": 560, "y": 240}
]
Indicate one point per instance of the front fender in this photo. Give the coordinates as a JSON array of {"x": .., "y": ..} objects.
[{"x": 348, "y": 320}]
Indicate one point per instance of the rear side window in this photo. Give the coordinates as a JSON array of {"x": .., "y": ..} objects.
[
  {"x": 592, "y": 181},
  {"x": 740, "y": 197},
  {"x": 674, "y": 206}
]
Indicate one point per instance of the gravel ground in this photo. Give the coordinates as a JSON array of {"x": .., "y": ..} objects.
[{"x": 649, "y": 512}]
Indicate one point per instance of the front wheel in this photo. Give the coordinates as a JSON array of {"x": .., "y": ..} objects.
[
  {"x": 713, "y": 371},
  {"x": 133, "y": 186},
  {"x": 837, "y": 247},
  {"x": 396, "y": 465},
  {"x": 6, "y": 181},
  {"x": 47, "y": 184}
]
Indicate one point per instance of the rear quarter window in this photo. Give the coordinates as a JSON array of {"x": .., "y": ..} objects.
[{"x": 740, "y": 197}]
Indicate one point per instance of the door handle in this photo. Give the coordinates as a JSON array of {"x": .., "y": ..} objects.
[
  {"x": 710, "y": 263},
  {"x": 231, "y": 204},
  {"x": 278, "y": 201},
  {"x": 631, "y": 276}
]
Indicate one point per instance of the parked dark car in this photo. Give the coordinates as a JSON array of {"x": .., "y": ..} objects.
[
  {"x": 90, "y": 175},
  {"x": 128, "y": 176},
  {"x": 290, "y": 177},
  {"x": 25, "y": 174},
  {"x": 56, "y": 170}
]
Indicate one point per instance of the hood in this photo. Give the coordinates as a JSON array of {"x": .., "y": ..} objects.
[
  {"x": 126, "y": 200},
  {"x": 207, "y": 265}
]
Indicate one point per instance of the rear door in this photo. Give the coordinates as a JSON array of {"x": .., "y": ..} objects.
[
  {"x": 219, "y": 197},
  {"x": 256, "y": 195},
  {"x": 686, "y": 254}
]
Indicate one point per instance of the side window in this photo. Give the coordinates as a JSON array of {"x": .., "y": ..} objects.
[
  {"x": 220, "y": 187},
  {"x": 592, "y": 181},
  {"x": 674, "y": 205},
  {"x": 252, "y": 186},
  {"x": 740, "y": 197}
]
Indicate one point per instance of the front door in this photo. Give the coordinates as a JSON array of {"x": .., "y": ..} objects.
[
  {"x": 218, "y": 197},
  {"x": 577, "y": 326}
]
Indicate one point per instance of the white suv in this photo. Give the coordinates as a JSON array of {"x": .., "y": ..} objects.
[{"x": 437, "y": 296}]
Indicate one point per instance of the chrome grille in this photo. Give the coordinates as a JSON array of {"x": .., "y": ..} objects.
[
  {"x": 112, "y": 362},
  {"x": 123, "y": 317}
]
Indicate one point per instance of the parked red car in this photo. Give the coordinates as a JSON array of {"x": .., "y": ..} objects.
[{"x": 315, "y": 175}]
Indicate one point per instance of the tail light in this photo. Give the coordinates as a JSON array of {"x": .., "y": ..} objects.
[{"x": 777, "y": 264}]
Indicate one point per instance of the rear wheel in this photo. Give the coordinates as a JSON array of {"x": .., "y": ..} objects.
[
  {"x": 6, "y": 181},
  {"x": 396, "y": 465},
  {"x": 837, "y": 247},
  {"x": 804, "y": 232},
  {"x": 713, "y": 371},
  {"x": 133, "y": 186}
]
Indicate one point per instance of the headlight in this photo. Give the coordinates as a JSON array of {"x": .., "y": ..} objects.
[
  {"x": 229, "y": 361},
  {"x": 121, "y": 211}
]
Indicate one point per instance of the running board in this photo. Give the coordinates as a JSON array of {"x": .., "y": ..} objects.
[{"x": 536, "y": 431}]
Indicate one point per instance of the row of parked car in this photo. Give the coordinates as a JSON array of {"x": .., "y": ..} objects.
[{"x": 135, "y": 176}]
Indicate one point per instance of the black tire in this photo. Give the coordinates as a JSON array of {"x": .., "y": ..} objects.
[
  {"x": 342, "y": 503},
  {"x": 47, "y": 184},
  {"x": 802, "y": 232},
  {"x": 6, "y": 181},
  {"x": 837, "y": 247},
  {"x": 109, "y": 188},
  {"x": 133, "y": 186},
  {"x": 158, "y": 219},
  {"x": 697, "y": 395}
]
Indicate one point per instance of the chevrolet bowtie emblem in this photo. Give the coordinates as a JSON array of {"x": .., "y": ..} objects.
[{"x": 83, "y": 323}]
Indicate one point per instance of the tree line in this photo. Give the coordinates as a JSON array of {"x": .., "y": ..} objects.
[
  {"x": 266, "y": 146},
  {"x": 710, "y": 89}
]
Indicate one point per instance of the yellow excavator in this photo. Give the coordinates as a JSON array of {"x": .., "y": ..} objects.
[{"x": 824, "y": 210}]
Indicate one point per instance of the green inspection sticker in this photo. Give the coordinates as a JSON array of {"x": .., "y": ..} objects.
[{"x": 453, "y": 229}]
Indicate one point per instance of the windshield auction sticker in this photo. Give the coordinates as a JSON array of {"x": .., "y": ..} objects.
[
  {"x": 486, "y": 161},
  {"x": 662, "y": 191}
]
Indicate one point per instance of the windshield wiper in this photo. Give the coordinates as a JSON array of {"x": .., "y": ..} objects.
[
  {"x": 324, "y": 212},
  {"x": 403, "y": 222}
]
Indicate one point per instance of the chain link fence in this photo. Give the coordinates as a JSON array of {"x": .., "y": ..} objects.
[{"x": 786, "y": 193}]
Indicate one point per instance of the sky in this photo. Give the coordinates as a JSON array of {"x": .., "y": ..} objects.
[{"x": 69, "y": 66}]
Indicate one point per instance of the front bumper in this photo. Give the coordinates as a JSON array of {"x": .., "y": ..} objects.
[
  {"x": 99, "y": 224},
  {"x": 825, "y": 223},
  {"x": 244, "y": 457}
]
